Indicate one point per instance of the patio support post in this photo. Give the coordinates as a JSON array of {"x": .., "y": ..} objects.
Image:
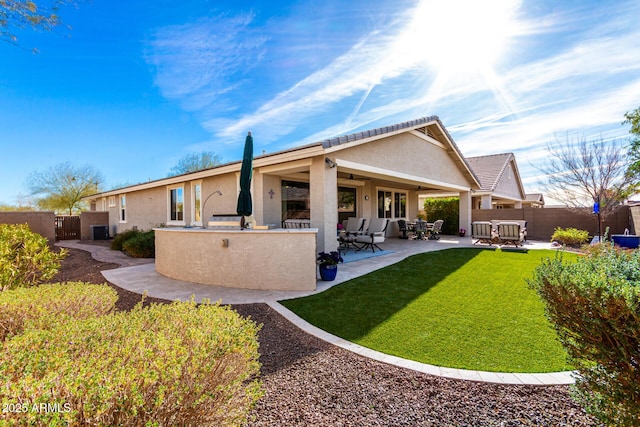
[
  {"x": 323, "y": 189},
  {"x": 465, "y": 210},
  {"x": 257, "y": 182}
]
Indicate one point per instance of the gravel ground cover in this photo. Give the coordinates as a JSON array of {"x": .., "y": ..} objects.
[{"x": 311, "y": 383}]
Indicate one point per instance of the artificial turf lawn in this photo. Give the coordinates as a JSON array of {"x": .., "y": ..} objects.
[{"x": 461, "y": 308}]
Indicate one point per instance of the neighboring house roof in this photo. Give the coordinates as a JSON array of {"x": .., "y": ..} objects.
[
  {"x": 535, "y": 198},
  {"x": 489, "y": 169},
  {"x": 430, "y": 127}
]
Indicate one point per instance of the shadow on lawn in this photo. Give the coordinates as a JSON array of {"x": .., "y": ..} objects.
[{"x": 354, "y": 308}]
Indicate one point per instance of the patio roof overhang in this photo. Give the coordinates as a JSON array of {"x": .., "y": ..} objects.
[{"x": 395, "y": 177}]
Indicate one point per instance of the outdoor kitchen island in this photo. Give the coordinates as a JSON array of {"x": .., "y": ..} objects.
[{"x": 271, "y": 259}]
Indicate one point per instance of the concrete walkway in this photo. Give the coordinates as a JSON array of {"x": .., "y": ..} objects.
[{"x": 139, "y": 275}]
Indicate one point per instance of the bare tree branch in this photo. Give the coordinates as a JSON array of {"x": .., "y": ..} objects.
[{"x": 581, "y": 172}]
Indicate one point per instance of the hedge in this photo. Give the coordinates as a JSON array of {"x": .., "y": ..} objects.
[
  {"x": 25, "y": 257},
  {"x": 177, "y": 364},
  {"x": 595, "y": 306},
  {"x": 43, "y": 306}
]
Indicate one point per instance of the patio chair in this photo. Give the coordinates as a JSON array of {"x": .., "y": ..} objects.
[
  {"x": 403, "y": 228},
  {"x": 420, "y": 230},
  {"x": 435, "y": 230},
  {"x": 510, "y": 232},
  {"x": 482, "y": 231},
  {"x": 354, "y": 226},
  {"x": 347, "y": 236},
  {"x": 375, "y": 234}
]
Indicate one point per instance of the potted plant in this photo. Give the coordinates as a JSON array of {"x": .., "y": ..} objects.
[
  {"x": 462, "y": 232},
  {"x": 328, "y": 263}
]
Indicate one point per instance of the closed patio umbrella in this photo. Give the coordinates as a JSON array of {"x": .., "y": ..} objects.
[{"x": 245, "y": 207}]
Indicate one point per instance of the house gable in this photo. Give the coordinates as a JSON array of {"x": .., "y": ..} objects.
[{"x": 499, "y": 175}]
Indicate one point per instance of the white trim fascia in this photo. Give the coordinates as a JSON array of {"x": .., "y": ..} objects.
[
  {"x": 395, "y": 175},
  {"x": 298, "y": 164},
  {"x": 428, "y": 139},
  {"x": 500, "y": 196}
]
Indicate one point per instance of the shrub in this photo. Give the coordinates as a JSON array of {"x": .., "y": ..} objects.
[
  {"x": 570, "y": 236},
  {"x": 446, "y": 209},
  {"x": 177, "y": 364},
  {"x": 25, "y": 257},
  {"x": 142, "y": 245},
  {"x": 43, "y": 306},
  {"x": 595, "y": 306},
  {"x": 120, "y": 238}
]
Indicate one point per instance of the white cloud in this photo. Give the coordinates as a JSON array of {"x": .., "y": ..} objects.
[{"x": 198, "y": 62}]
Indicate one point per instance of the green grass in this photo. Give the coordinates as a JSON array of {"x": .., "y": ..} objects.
[{"x": 462, "y": 308}]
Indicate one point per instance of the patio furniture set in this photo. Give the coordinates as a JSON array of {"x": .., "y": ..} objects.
[
  {"x": 499, "y": 232},
  {"x": 420, "y": 230},
  {"x": 362, "y": 233}
]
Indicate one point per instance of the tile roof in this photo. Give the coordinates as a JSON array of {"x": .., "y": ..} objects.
[
  {"x": 489, "y": 169},
  {"x": 380, "y": 131}
]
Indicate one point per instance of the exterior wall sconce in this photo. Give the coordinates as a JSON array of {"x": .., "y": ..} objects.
[{"x": 366, "y": 197}]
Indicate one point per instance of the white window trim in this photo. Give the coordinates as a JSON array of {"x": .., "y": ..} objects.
[
  {"x": 193, "y": 203},
  {"x": 112, "y": 201},
  {"x": 174, "y": 222},
  {"x": 122, "y": 208},
  {"x": 393, "y": 191}
]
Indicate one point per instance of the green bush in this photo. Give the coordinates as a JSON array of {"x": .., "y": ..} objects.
[
  {"x": 446, "y": 209},
  {"x": 177, "y": 364},
  {"x": 570, "y": 236},
  {"x": 142, "y": 245},
  {"x": 25, "y": 257},
  {"x": 595, "y": 306},
  {"x": 43, "y": 306},
  {"x": 120, "y": 238}
]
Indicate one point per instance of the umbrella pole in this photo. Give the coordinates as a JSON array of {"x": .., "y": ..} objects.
[{"x": 242, "y": 222}]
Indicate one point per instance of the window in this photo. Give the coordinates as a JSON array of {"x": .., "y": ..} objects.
[
  {"x": 296, "y": 201},
  {"x": 392, "y": 204},
  {"x": 400, "y": 205},
  {"x": 176, "y": 204},
  {"x": 112, "y": 201},
  {"x": 346, "y": 203},
  {"x": 123, "y": 208},
  {"x": 197, "y": 203},
  {"x": 384, "y": 204}
]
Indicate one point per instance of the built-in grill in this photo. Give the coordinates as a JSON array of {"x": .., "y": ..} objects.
[{"x": 224, "y": 222}]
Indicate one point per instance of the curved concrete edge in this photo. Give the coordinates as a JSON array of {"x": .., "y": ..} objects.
[
  {"x": 537, "y": 379},
  {"x": 139, "y": 275}
]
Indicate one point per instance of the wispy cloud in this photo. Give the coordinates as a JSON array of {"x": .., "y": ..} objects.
[
  {"x": 197, "y": 63},
  {"x": 585, "y": 78}
]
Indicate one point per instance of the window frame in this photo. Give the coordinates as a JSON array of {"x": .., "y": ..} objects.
[
  {"x": 123, "y": 209},
  {"x": 395, "y": 195},
  {"x": 196, "y": 208},
  {"x": 170, "y": 190}
]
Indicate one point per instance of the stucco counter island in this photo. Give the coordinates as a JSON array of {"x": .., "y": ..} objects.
[{"x": 276, "y": 259}]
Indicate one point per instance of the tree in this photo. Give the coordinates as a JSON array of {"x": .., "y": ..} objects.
[
  {"x": 62, "y": 187},
  {"x": 18, "y": 14},
  {"x": 195, "y": 162},
  {"x": 582, "y": 172},
  {"x": 633, "y": 118}
]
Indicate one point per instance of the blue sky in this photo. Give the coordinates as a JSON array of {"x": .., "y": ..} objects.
[{"x": 134, "y": 86}]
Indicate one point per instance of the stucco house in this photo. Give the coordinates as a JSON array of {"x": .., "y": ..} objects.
[
  {"x": 500, "y": 183},
  {"x": 375, "y": 173}
]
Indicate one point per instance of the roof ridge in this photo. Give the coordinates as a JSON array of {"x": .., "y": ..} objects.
[
  {"x": 492, "y": 155},
  {"x": 341, "y": 139}
]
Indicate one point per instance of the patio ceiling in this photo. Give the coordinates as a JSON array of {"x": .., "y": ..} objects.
[{"x": 390, "y": 178}]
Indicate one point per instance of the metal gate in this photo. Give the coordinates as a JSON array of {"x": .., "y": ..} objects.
[{"x": 67, "y": 228}]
